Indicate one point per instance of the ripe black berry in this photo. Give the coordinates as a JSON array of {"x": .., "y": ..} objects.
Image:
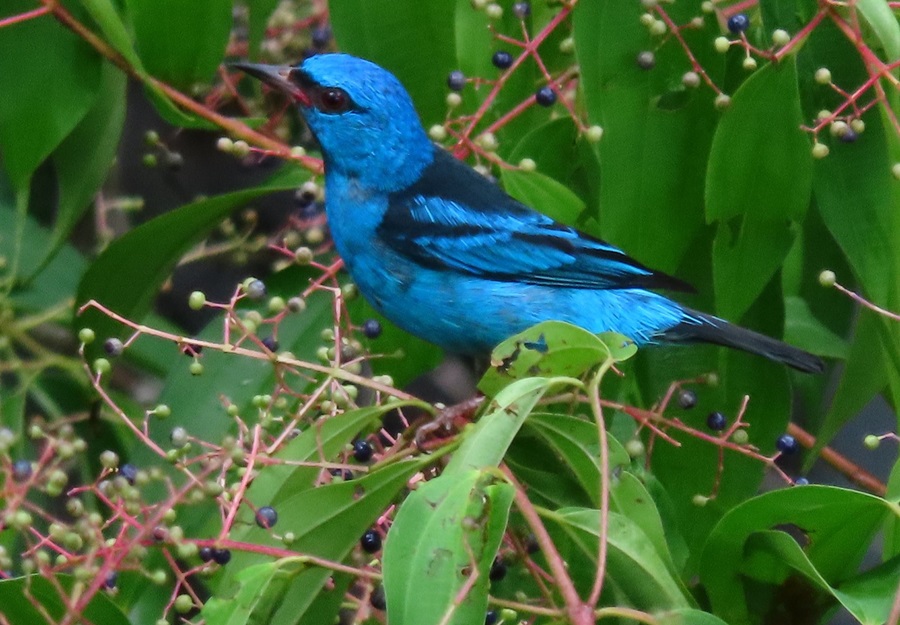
[
  {"x": 346, "y": 474},
  {"x": 687, "y": 399},
  {"x": 370, "y": 541},
  {"x": 362, "y": 451},
  {"x": 377, "y": 598},
  {"x": 498, "y": 570},
  {"x": 111, "y": 578},
  {"x": 502, "y": 59},
  {"x": 738, "y": 23},
  {"x": 321, "y": 36},
  {"x": 21, "y": 470},
  {"x": 371, "y": 328},
  {"x": 787, "y": 444},
  {"x": 270, "y": 344},
  {"x": 205, "y": 553},
  {"x": 716, "y": 421},
  {"x": 113, "y": 347},
  {"x": 221, "y": 556},
  {"x": 266, "y": 517},
  {"x": 521, "y": 9},
  {"x": 456, "y": 80},
  {"x": 491, "y": 617},
  {"x": 129, "y": 472},
  {"x": 545, "y": 96}
]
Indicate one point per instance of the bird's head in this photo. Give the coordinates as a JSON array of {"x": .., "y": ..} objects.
[{"x": 361, "y": 115}]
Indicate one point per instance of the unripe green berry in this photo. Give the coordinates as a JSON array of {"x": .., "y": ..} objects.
[
  {"x": 224, "y": 144},
  {"x": 819, "y": 150},
  {"x": 240, "y": 149},
  {"x": 494, "y": 11},
  {"x": 567, "y": 45},
  {"x": 823, "y": 76},
  {"x": 453, "y": 100},
  {"x": 895, "y": 170},
  {"x": 527, "y": 164},
  {"x": 823, "y": 114},
  {"x": 749, "y": 64},
  {"x": 196, "y": 368},
  {"x": 162, "y": 411},
  {"x": 303, "y": 255},
  {"x": 691, "y": 79},
  {"x": 277, "y": 304},
  {"x": 109, "y": 459},
  {"x": 658, "y": 28},
  {"x": 102, "y": 366},
  {"x": 437, "y": 132},
  {"x": 86, "y": 336},
  {"x": 298, "y": 151},
  {"x": 594, "y": 133},
  {"x": 839, "y": 128},
  {"x": 722, "y": 44},
  {"x": 700, "y": 500},
  {"x": 183, "y": 604},
  {"x": 858, "y": 126},
  {"x": 722, "y": 101},
  {"x": 740, "y": 437},
  {"x": 827, "y": 278},
  {"x": 707, "y": 6},
  {"x": 149, "y": 160},
  {"x": 780, "y": 37},
  {"x": 296, "y": 304},
  {"x": 871, "y": 441},
  {"x": 647, "y": 19},
  {"x": 197, "y": 300},
  {"x": 635, "y": 448},
  {"x": 488, "y": 141}
]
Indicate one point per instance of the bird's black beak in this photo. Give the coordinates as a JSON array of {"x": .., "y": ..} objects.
[{"x": 277, "y": 76}]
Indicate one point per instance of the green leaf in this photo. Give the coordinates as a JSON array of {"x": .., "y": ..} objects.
[
  {"x": 379, "y": 30},
  {"x": 881, "y": 18},
  {"x": 759, "y": 178},
  {"x": 262, "y": 591},
  {"x": 543, "y": 193},
  {"x": 445, "y": 536},
  {"x": 552, "y": 348},
  {"x": 46, "y": 92},
  {"x": 17, "y": 596},
  {"x": 838, "y": 524},
  {"x": 181, "y": 43},
  {"x": 127, "y": 275},
  {"x": 803, "y": 330},
  {"x": 84, "y": 159},
  {"x": 116, "y": 33}
]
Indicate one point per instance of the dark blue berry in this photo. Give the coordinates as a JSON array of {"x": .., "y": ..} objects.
[
  {"x": 801, "y": 481},
  {"x": 205, "y": 553},
  {"x": 21, "y": 470},
  {"x": 129, "y": 472},
  {"x": 502, "y": 59},
  {"x": 521, "y": 9},
  {"x": 113, "y": 347},
  {"x": 266, "y": 517},
  {"x": 346, "y": 474},
  {"x": 687, "y": 399},
  {"x": 498, "y": 570},
  {"x": 716, "y": 421},
  {"x": 456, "y": 80},
  {"x": 787, "y": 444},
  {"x": 111, "y": 578},
  {"x": 531, "y": 545},
  {"x": 491, "y": 617},
  {"x": 362, "y": 451},
  {"x": 370, "y": 541},
  {"x": 321, "y": 36},
  {"x": 545, "y": 96},
  {"x": 738, "y": 23},
  {"x": 221, "y": 556},
  {"x": 256, "y": 289},
  {"x": 371, "y": 328},
  {"x": 849, "y": 136},
  {"x": 377, "y": 598},
  {"x": 270, "y": 344}
]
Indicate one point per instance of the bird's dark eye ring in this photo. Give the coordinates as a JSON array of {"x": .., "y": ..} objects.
[{"x": 333, "y": 100}]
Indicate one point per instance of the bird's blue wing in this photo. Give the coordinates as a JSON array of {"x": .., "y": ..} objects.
[{"x": 454, "y": 219}]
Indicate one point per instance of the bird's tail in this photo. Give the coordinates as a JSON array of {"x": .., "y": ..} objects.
[{"x": 709, "y": 329}]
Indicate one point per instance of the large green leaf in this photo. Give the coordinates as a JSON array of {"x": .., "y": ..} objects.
[
  {"x": 18, "y": 598},
  {"x": 46, "y": 92}
]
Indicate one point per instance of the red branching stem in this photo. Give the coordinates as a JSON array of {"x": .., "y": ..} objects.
[
  {"x": 676, "y": 32},
  {"x": 23, "y": 17},
  {"x": 866, "y": 303}
]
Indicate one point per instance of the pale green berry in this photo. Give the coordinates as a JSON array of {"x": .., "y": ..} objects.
[
  {"x": 780, "y": 37},
  {"x": 647, "y": 19},
  {"x": 240, "y": 149},
  {"x": 594, "y": 133},
  {"x": 494, "y": 11},
  {"x": 488, "y": 141},
  {"x": 197, "y": 300},
  {"x": 691, "y": 79},
  {"x": 224, "y": 144},
  {"x": 749, "y": 64},
  {"x": 723, "y": 101},
  {"x": 196, "y": 368},
  {"x": 453, "y": 100},
  {"x": 708, "y": 7},
  {"x": 871, "y": 441},
  {"x": 722, "y": 44},
  {"x": 839, "y": 128},
  {"x": 819, "y": 150},
  {"x": 827, "y": 278},
  {"x": 527, "y": 164},
  {"x": 895, "y": 170},
  {"x": 700, "y": 500},
  {"x": 567, "y": 45},
  {"x": 298, "y": 151},
  {"x": 102, "y": 366},
  {"x": 437, "y": 132},
  {"x": 658, "y": 28},
  {"x": 823, "y": 76},
  {"x": 823, "y": 114},
  {"x": 86, "y": 336},
  {"x": 858, "y": 126}
]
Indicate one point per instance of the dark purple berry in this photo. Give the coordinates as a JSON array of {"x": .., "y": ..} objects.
[
  {"x": 160, "y": 533},
  {"x": 787, "y": 444},
  {"x": 531, "y": 545},
  {"x": 362, "y": 451},
  {"x": 321, "y": 36},
  {"x": 21, "y": 470},
  {"x": 801, "y": 481},
  {"x": 738, "y": 23},
  {"x": 191, "y": 350},
  {"x": 716, "y": 421},
  {"x": 490, "y": 618},
  {"x": 205, "y": 553},
  {"x": 371, "y": 328},
  {"x": 221, "y": 556},
  {"x": 377, "y": 599},
  {"x": 111, "y": 578},
  {"x": 266, "y": 517},
  {"x": 502, "y": 59},
  {"x": 521, "y": 9},
  {"x": 270, "y": 344},
  {"x": 346, "y": 474},
  {"x": 456, "y": 80},
  {"x": 646, "y": 60},
  {"x": 849, "y": 136},
  {"x": 545, "y": 96},
  {"x": 113, "y": 347},
  {"x": 687, "y": 399},
  {"x": 498, "y": 570},
  {"x": 129, "y": 472},
  {"x": 370, "y": 541}
]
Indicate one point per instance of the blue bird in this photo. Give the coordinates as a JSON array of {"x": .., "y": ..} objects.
[{"x": 445, "y": 254}]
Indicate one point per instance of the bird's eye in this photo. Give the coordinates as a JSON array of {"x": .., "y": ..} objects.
[{"x": 333, "y": 100}]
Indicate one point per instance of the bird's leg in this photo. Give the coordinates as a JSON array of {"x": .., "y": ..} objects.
[{"x": 445, "y": 419}]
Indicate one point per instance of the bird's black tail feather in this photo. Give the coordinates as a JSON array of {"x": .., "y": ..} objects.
[{"x": 714, "y": 330}]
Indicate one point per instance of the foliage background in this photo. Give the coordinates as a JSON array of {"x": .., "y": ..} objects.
[{"x": 729, "y": 198}]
